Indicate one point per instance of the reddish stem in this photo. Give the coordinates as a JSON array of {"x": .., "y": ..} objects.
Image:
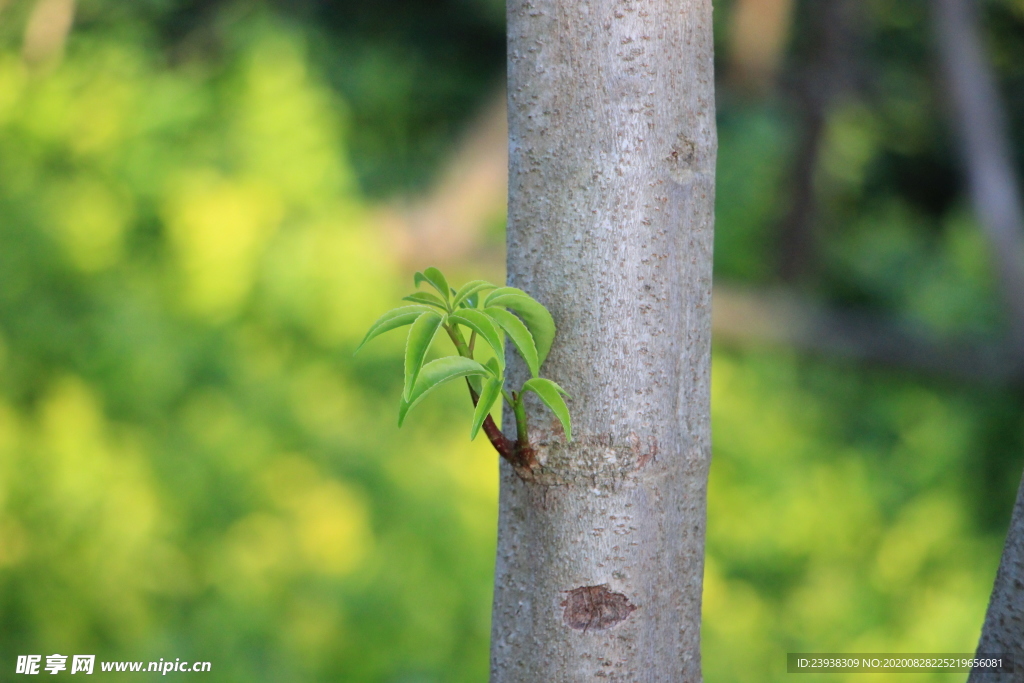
[
  {"x": 506, "y": 447},
  {"x": 519, "y": 454}
]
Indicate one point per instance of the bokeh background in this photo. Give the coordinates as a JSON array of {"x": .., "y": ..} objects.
[{"x": 203, "y": 205}]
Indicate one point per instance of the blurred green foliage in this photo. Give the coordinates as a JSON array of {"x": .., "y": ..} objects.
[
  {"x": 843, "y": 515},
  {"x": 193, "y": 465}
]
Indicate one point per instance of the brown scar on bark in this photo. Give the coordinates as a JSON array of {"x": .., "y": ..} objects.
[
  {"x": 595, "y": 608},
  {"x": 683, "y": 153},
  {"x": 644, "y": 455},
  {"x": 686, "y": 161},
  {"x": 649, "y": 455}
]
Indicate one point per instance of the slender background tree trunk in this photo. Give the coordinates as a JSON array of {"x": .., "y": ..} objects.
[
  {"x": 980, "y": 122},
  {"x": 827, "y": 68},
  {"x": 611, "y": 203}
]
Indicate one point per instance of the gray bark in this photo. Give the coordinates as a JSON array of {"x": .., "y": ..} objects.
[
  {"x": 612, "y": 149},
  {"x": 1003, "y": 632}
]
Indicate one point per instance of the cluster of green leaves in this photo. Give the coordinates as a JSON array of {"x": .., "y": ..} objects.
[{"x": 503, "y": 311}]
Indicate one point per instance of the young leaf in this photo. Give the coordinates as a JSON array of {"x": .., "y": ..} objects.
[
  {"x": 476, "y": 382},
  {"x": 420, "y": 335},
  {"x": 426, "y": 298},
  {"x": 520, "y": 336},
  {"x": 551, "y": 394},
  {"x": 394, "y": 318},
  {"x": 533, "y": 313},
  {"x": 435, "y": 279},
  {"x": 469, "y": 289},
  {"x": 482, "y": 325},
  {"x": 434, "y": 374},
  {"x": 491, "y": 393},
  {"x": 496, "y": 370}
]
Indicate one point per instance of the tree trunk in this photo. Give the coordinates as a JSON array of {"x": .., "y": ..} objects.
[
  {"x": 1003, "y": 630},
  {"x": 611, "y": 203}
]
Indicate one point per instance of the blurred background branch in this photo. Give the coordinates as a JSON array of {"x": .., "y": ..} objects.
[
  {"x": 447, "y": 224},
  {"x": 759, "y": 31},
  {"x": 827, "y": 65},
  {"x": 980, "y": 123},
  {"x": 47, "y": 31},
  {"x": 785, "y": 319}
]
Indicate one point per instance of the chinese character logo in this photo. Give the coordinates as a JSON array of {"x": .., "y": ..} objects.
[
  {"x": 28, "y": 664},
  {"x": 55, "y": 663},
  {"x": 82, "y": 664}
]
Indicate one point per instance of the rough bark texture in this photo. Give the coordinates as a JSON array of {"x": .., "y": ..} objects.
[
  {"x": 1003, "y": 632},
  {"x": 611, "y": 201}
]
